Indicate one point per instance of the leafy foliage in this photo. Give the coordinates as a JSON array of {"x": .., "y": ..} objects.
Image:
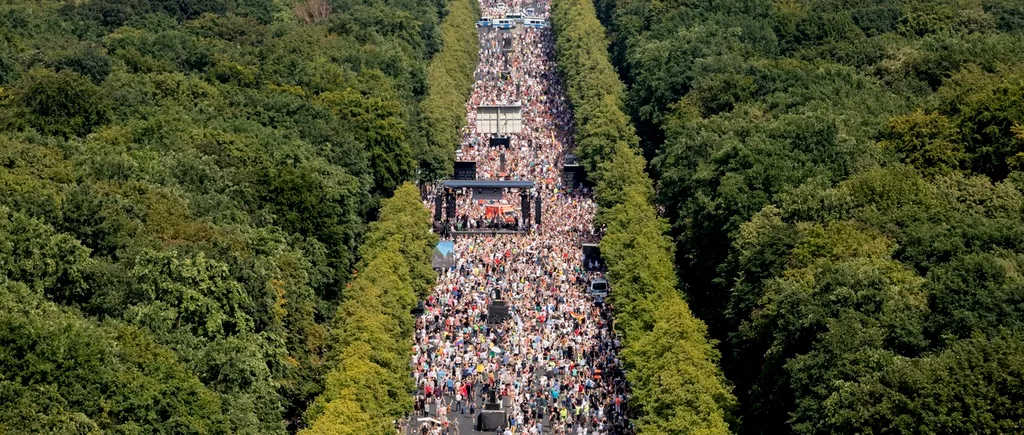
[
  {"x": 185, "y": 187},
  {"x": 369, "y": 386},
  {"x": 669, "y": 360},
  {"x": 64, "y": 373},
  {"x": 449, "y": 83},
  {"x": 841, "y": 182},
  {"x": 60, "y": 104}
]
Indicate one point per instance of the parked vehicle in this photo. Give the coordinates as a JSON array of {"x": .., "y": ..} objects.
[
  {"x": 504, "y": 23},
  {"x": 598, "y": 288},
  {"x": 485, "y": 22},
  {"x": 515, "y": 16},
  {"x": 535, "y": 23}
]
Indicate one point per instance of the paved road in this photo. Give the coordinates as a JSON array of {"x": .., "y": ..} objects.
[{"x": 555, "y": 319}]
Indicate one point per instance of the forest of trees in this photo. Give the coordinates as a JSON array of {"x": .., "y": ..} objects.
[
  {"x": 185, "y": 188},
  {"x": 844, "y": 189}
]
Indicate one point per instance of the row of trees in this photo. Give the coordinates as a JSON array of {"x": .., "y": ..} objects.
[
  {"x": 842, "y": 181},
  {"x": 450, "y": 78},
  {"x": 670, "y": 363},
  {"x": 369, "y": 385},
  {"x": 184, "y": 191}
]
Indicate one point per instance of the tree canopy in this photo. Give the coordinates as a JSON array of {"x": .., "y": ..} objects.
[
  {"x": 368, "y": 385},
  {"x": 842, "y": 184},
  {"x": 186, "y": 190},
  {"x": 669, "y": 361}
]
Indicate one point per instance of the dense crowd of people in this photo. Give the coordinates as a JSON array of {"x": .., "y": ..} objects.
[{"x": 553, "y": 363}]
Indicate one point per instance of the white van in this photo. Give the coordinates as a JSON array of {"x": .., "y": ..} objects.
[
  {"x": 504, "y": 23},
  {"x": 515, "y": 16},
  {"x": 535, "y": 23},
  {"x": 485, "y": 22}
]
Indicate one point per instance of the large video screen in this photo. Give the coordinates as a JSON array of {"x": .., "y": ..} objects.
[{"x": 444, "y": 255}]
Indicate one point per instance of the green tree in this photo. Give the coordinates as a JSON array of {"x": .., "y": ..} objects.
[
  {"x": 368, "y": 385},
  {"x": 449, "y": 82},
  {"x": 62, "y": 104},
  {"x": 985, "y": 109},
  {"x": 47, "y": 262},
  {"x": 926, "y": 141},
  {"x": 971, "y": 385},
  {"x": 675, "y": 378},
  {"x": 88, "y": 61},
  {"x": 66, "y": 374},
  {"x": 182, "y": 170},
  {"x": 381, "y": 128},
  {"x": 792, "y": 141},
  {"x": 677, "y": 391}
]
